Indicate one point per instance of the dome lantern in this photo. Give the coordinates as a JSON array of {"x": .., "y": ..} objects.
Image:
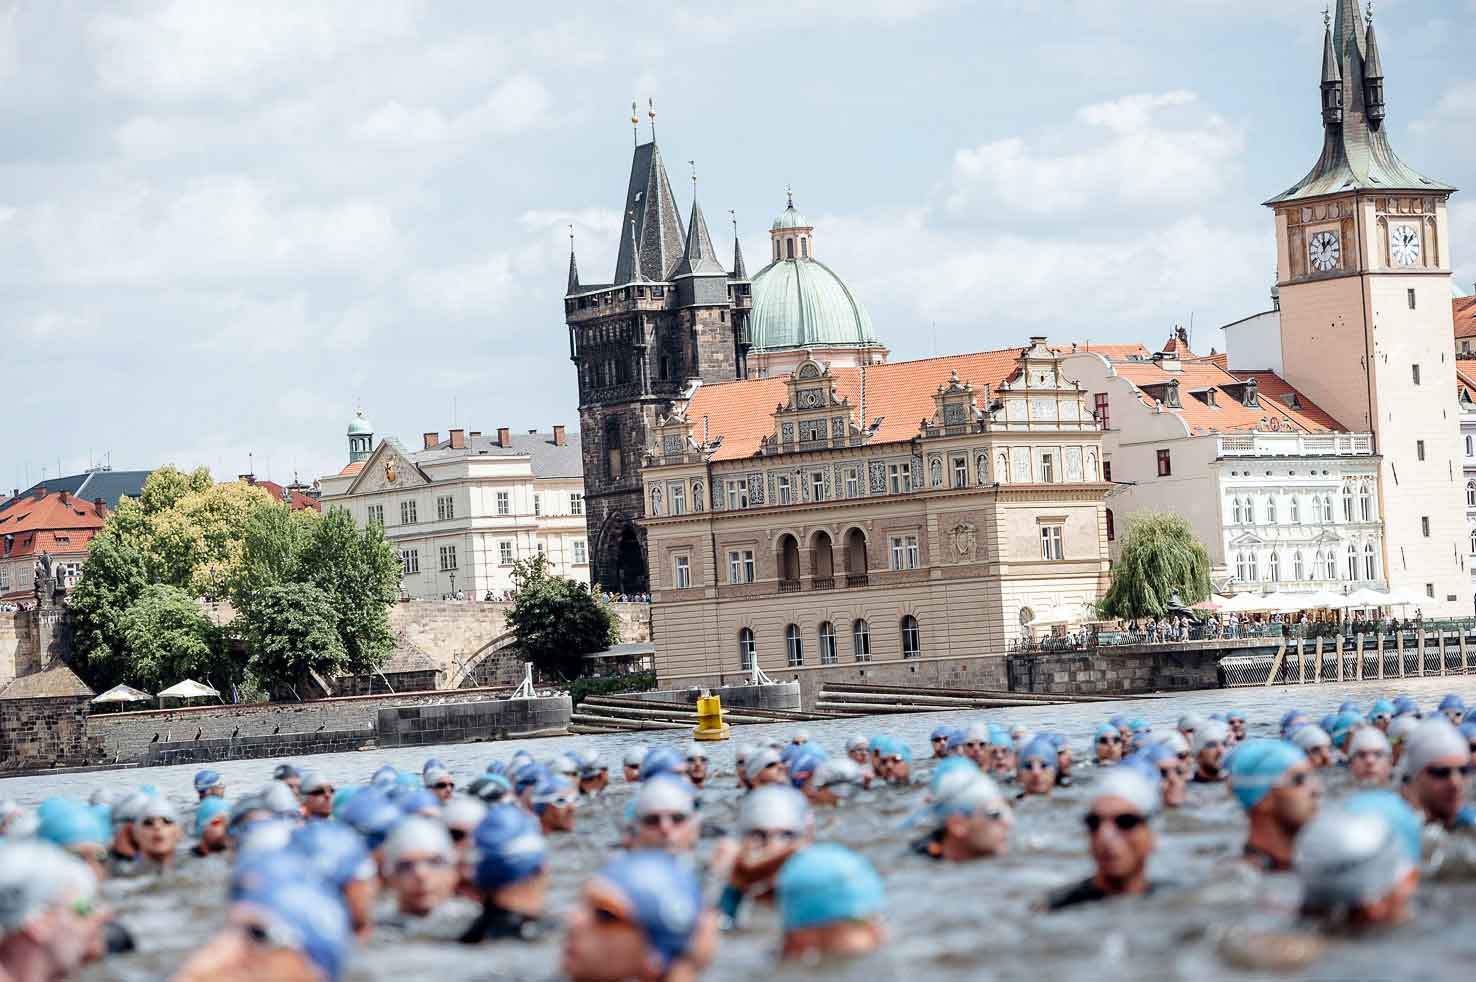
[
  {"x": 360, "y": 437},
  {"x": 792, "y": 234}
]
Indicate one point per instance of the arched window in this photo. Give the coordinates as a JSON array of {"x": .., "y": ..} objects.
[
  {"x": 804, "y": 247},
  {"x": 1317, "y": 565},
  {"x": 1235, "y": 511},
  {"x": 776, "y": 250},
  {"x": 1470, "y": 448},
  {"x": 1332, "y": 565},
  {"x": 1297, "y": 568},
  {"x": 1471, "y": 494},
  {"x": 1371, "y": 563},
  {"x": 1271, "y": 511},
  {"x": 1273, "y": 570},
  {"x": 788, "y": 248},
  {"x": 794, "y": 646},
  {"x": 1252, "y": 567},
  {"x": 747, "y": 650},
  {"x": 911, "y": 638},
  {"x": 827, "y": 644},
  {"x": 1327, "y": 511},
  {"x": 1347, "y": 502},
  {"x": 1111, "y": 527},
  {"x": 1240, "y": 566},
  {"x": 861, "y": 640},
  {"x": 1365, "y": 502},
  {"x": 1296, "y": 511},
  {"x": 1352, "y": 562}
]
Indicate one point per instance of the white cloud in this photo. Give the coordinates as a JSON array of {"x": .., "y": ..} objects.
[
  {"x": 1140, "y": 149},
  {"x": 513, "y": 106}
]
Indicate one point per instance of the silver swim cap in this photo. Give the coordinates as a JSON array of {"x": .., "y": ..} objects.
[
  {"x": 758, "y": 760},
  {"x": 1347, "y": 859},
  {"x": 1432, "y": 739},
  {"x": 1210, "y": 731},
  {"x": 463, "y": 811},
  {"x": 34, "y": 876},
  {"x": 1369, "y": 738},
  {"x": 634, "y": 755},
  {"x": 665, "y": 793},
  {"x": 1174, "y": 742},
  {"x": 1308, "y": 737},
  {"x": 1131, "y": 785},
  {"x": 775, "y": 806},
  {"x": 416, "y": 834}
]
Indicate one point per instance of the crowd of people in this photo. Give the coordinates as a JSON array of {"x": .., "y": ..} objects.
[{"x": 314, "y": 870}]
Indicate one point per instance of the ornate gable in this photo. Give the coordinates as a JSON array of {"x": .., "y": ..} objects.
[
  {"x": 1038, "y": 397},
  {"x": 672, "y": 441},
  {"x": 389, "y": 468},
  {"x": 955, "y": 410},
  {"x": 812, "y": 418}
]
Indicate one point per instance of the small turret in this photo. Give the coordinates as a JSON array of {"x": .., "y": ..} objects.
[
  {"x": 1373, "y": 77},
  {"x": 360, "y": 437},
  {"x": 1332, "y": 83}
]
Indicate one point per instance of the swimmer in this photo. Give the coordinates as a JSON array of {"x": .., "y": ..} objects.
[
  {"x": 1120, "y": 836},
  {"x": 773, "y": 824},
  {"x": 461, "y": 818},
  {"x": 1291, "y": 719},
  {"x": 1406, "y": 706},
  {"x": 1453, "y": 708},
  {"x": 764, "y": 767},
  {"x": 666, "y": 816},
  {"x": 1357, "y": 868},
  {"x": 508, "y": 864},
  {"x": 439, "y": 782},
  {"x": 939, "y": 741},
  {"x": 421, "y": 860},
  {"x": 51, "y": 920},
  {"x": 337, "y": 854},
  {"x": 1342, "y": 728},
  {"x": 156, "y": 830},
  {"x": 208, "y": 784},
  {"x": 79, "y": 829},
  {"x": 1064, "y": 759},
  {"x": 899, "y": 763},
  {"x": 594, "y": 775},
  {"x": 1316, "y": 744},
  {"x": 373, "y": 815},
  {"x": 641, "y": 917},
  {"x": 1188, "y": 723},
  {"x": 1436, "y": 771},
  {"x": 632, "y": 763},
  {"x": 1399, "y": 730},
  {"x": 284, "y": 929},
  {"x": 1002, "y": 764},
  {"x": 123, "y": 850},
  {"x": 1370, "y": 760},
  {"x": 697, "y": 765},
  {"x": 837, "y": 779},
  {"x": 976, "y": 745},
  {"x": 856, "y": 750},
  {"x": 211, "y": 834},
  {"x": 1236, "y": 719},
  {"x": 289, "y": 776},
  {"x": 969, "y": 819},
  {"x": 1209, "y": 752},
  {"x": 831, "y": 902},
  {"x": 740, "y": 763},
  {"x": 800, "y": 738},
  {"x": 1275, "y": 784},
  {"x": 1036, "y": 770},
  {"x": 1173, "y": 771},
  {"x": 554, "y": 801},
  {"x": 1108, "y": 743},
  {"x": 317, "y": 796},
  {"x": 803, "y": 765},
  {"x": 663, "y": 760},
  {"x": 1381, "y": 714},
  {"x": 491, "y": 789}
]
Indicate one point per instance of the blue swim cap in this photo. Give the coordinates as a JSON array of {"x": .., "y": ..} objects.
[
  {"x": 384, "y": 776},
  {"x": 407, "y": 782},
  {"x": 1348, "y": 707},
  {"x": 1326, "y": 722},
  {"x": 1058, "y": 740},
  {"x": 660, "y": 895},
  {"x": 1468, "y": 730},
  {"x": 1342, "y": 725},
  {"x": 999, "y": 736},
  {"x": 955, "y": 739},
  {"x": 507, "y": 847},
  {"x": 373, "y": 815},
  {"x": 950, "y": 765},
  {"x": 1396, "y": 812},
  {"x": 260, "y": 867},
  {"x": 1042, "y": 749},
  {"x": 527, "y": 776},
  {"x": 491, "y": 787},
  {"x": 1406, "y": 705},
  {"x": 884, "y": 745},
  {"x": 210, "y": 808},
  {"x": 804, "y": 764},
  {"x": 828, "y": 883},
  {"x": 1288, "y": 718},
  {"x": 941, "y": 732},
  {"x": 497, "y": 767},
  {"x": 1117, "y": 721},
  {"x": 900, "y": 749},
  {"x": 1143, "y": 762},
  {"x": 1257, "y": 765},
  {"x": 1139, "y": 725},
  {"x": 285, "y": 772},
  {"x": 550, "y": 789},
  {"x": 1104, "y": 729},
  {"x": 434, "y": 762},
  {"x": 874, "y": 743},
  {"x": 334, "y": 852},
  {"x": 1235, "y": 714},
  {"x": 205, "y": 780},
  {"x": 420, "y": 800},
  {"x": 308, "y": 917},
  {"x": 1452, "y": 701},
  {"x": 341, "y": 799},
  {"x": 1381, "y": 707},
  {"x": 64, "y": 822},
  {"x": 663, "y": 760}
]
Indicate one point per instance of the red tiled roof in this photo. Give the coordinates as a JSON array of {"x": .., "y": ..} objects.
[
  {"x": 296, "y": 499},
  {"x": 1228, "y": 414},
  {"x": 1112, "y": 351},
  {"x": 1463, "y": 316},
  {"x": 1465, "y": 384},
  {"x": 351, "y": 469},
  {"x": 900, "y": 391},
  {"x": 31, "y": 526}
]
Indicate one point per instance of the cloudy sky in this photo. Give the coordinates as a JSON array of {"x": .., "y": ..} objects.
[{"x": 221, "y": 224}]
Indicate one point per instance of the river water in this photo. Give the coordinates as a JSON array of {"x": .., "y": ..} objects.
[{"x": 968, "y": 921}]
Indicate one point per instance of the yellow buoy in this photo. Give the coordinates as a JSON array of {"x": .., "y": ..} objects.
[{"x": 710, "y": 725}]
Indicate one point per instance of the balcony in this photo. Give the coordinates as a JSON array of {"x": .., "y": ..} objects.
[
  {"x": 1296, "y": 445},
  {"x": 857, "y": 579},
  {"x": 822, "y": 583},
  {"x": 789, "y": 586}
]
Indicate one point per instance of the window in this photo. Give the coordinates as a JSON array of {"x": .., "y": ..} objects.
[
  {"x": 1297, "y": 566},
  {"x": 1236, "y": 512},
  {"x": 537, "y": 505},
  {"x": 1470, "y": 449},
  {"x": 1099, "y": 406},
  {"x": 445, "y": 508},
  {"x": 683, "y": 573},
  {"x": 1327, "y": 509},
  {"x": 375, "y": 515},
  {"x": 1107, "y": 471},
  {"x": 504, "y": 503},
  {"x": 788, "y": 248},
  {"x": 1111, "y": 527},
  {"x": 1048, "y": 468},
  {"x": 1273, "y": 568},
  {"x": 505, "y": 552},
  {"x": 740, "y": 566},
  {"x": 1252, "y": 569},
  {"x": 409, "y": 561},
  {"x": 1410, "y": 295},
  {"x": 678, "y": 499},
  {"x": 817, "y": 485},
  {"x": 853, "y": 483},
  {"x": 781, "y": 489},
  {"x": 1352, "y": 562},
  {"x": 861, "y": 640},
  {"x": 1271, "y": 510},
  {"x": 804, "y": 248},
  {"x": 407, "y": 513},
  {"x": 1165, "y": 468},
  {"x": 1050, "y": 542},
  {"x": 1425, "y": 526},
  {"x": 448, "y": 558},
  {"x": 1347, "y": 502},
  {"x": 737, "y": 494},
  {"x": 539, "y": 547},
  {"x": 827, "y": 644},
  {"x": 794, "y": 647},
  {"x": 960, "y": 472},
  {"x": 1332, "y": 565},
  {"x": 911, "y": 638},
  {"x": 1296, "y": 512},
  {"x": 1370, "y": 564},
  {"x": 1429, "y": 587},
  {"x": 747, "y": 650},
  {"x": 1414, "y": 374},
  {"x": 899, "y": 477},
  {"x": 576, "y": 503},
  {"x": 1240, "y": 566},
  {"x": 1419, "y": 449},
  {"x": 1471, "y": 494},
  {"x": 1365, "y": 503},
  {"x": 904, "y": 551},
  {"x": 580, "y": 557}
]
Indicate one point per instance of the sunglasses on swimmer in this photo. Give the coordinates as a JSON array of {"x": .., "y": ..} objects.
[
  {"x": 1125, "y": 822},
  {"x": 1444, "y": 773},
  {"x": 1109, "y": 738}
]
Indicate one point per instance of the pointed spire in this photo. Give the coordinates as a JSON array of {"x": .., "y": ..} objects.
[
  {"x": 654, "y": 238},
  {"x": 1373, "y": 75},
  {"x": 635, "y": 251},
  {"x": 740, "y": 271},
  {"x": 573, "y": 267},
  {"x": 1332, "y": 78},
  {"x": 699, "y": 259}
]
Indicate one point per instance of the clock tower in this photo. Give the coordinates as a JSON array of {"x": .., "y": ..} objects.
[{"x": 1363, "y": 269}]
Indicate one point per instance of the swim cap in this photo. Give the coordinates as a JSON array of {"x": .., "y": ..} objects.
[
  {"x": 430, "y": 763},
  {"x": 1117, "y": 721},
  {"x": 271, "y": 835},
  {"x": 278, "y": 798},
  {"x": 1235, "y": 714},
  {"x": 407, "y": 782},
  {"x": 1401, "y": 728},
  {"x": 1452, "y": 701},
  {"x": 372, "y": 814},
  {"x": 1174, "y": 742},
  {"x": 1326, "y": 722},
  {"x": 1138, "y": 724},
  {"x": 205, "y": 780},
  {"x": 64, "y": 822},
  {"x": 591, "y": 766},
  {"x": 825, "y": 884},
  {"x": 774, "y": 806},
  {"x": 1308, "y": 737},
  {"x": 1257, "y": 766},
  {"x": 285, "y": 772},
  {"x": 490, "y": 788},
  {"x": 384, "y": 776},
  {"x": 1348, "y": 706},
  {"x": 1039, "y": 748},
  {"x": 416, "y": 834},
  {"x": 899, "y": 749},
  {"x": 520, "y": 757},
  {"x": 1346, "y": 859},
  {"x": 1381, "y": 707},
  {"x": 1058, "y": 740},
  {"x": 941, "y": 732},
  {"x": 128, "y": 809},
  {"x": 800, "y": 736},
  {"x": 950, "y": 772},
  {"x": 1342, "y": 724},
  {"x": 665, "y": 793},
  {"x": 209, "y": 810},
  {"x": 313, "y": 781},
  {"x": 804, "y": 765},
  {"x": 1210, "y": 731},
  {"x": 334, "y": 852},
  {"x": 1406, "y": 706},
  {"x": 662, "y": 760},
  {"x": 856, "y": 743},
  {"x": 463, "y": 811},
  {"x": 254, "y": 870},
  {"x": 978, "y": 733},
  {"x": 33, "y": 877},
  {"x": 1432, "y": 739},
  {"x": 1145, "y": 763},
  {"x": 528, "y": 776},
  {"x": 307, "y": 917},
  {"x": 1190, "y": 721},
  {"x": 1000, "y": 737},
  {"x": 757, "y": 761},
  {"x": 342, "y": 797},
  {"x": 841, "y": 775},
  {"x": 956, "y": 739},
  {"x": 1131, "y": 785},
  {"x": 635, "y": 754},
  {"x": 435, "y": 775},
  {"x": 1368, "y": 738},
  {"x": 158, "y": 806},
  {"x": 1289, "y": 718},
  {"x": 566, "y": 764},
  {"x": 968, "y": 796},
  {"x": 660, "y": 895},
  {"x": 507, "y": 847},
  {"x": 1105, "y": 729},
  {"x": 1394, "y": 810}
]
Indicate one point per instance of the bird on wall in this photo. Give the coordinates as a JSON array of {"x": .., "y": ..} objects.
[
  {"x": 276, "y": 730},
  {"x": 156, "y": 738},
  {"x": 199, "y": 733},
  {"x": 235, "y": 732}
]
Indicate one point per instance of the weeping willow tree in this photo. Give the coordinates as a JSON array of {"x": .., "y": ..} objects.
[{"x": 1159, "y": 557}]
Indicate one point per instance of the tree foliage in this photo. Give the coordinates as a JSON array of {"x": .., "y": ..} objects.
[
  {"x": 557, "y": 619},
  {"x": 359, "y": 572},
  {"x": 167, "y": 638},
  {"x": 114, "y": 578},
  {"x": 291, "y": 629},
  {"x": 1160, "y": 557}
]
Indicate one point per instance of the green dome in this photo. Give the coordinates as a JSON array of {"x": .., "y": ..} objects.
[
  {"x": 800, "y": 303},
  {"x": 790, "y": 218},
  {"x": 360, "y": 426}
]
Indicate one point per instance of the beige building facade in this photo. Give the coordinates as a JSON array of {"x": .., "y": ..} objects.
[{"x": 905, "y": 511}]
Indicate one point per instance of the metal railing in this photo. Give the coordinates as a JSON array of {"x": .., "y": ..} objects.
[
  {"x": 789, "y": 586},
  {"x": 822, "y": 583}
]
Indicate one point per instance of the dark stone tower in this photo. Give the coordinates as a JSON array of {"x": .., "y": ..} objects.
[{"x": 672, "y": 317}]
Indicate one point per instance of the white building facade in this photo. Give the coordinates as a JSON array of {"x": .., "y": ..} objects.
[
  {"x": 463, "y": 509},
  {"x": 1466, "y": 405}
]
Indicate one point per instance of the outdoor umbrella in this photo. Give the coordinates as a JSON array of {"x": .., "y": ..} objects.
[
  {"x": 123, "y": 693},
  {"x": 189, "y": 689}
]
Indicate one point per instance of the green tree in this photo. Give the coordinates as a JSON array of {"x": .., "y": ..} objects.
[
  {"x": 167, "y": 637},
  {"x": 1160, "y": 557},
  {"x": 272, "y": 544},
  {"x": 557, "y": 619},
  {"x": 359, "y": 572},
  {"x": 114, "y": 577},
  {"x": 291, "y": 630}
]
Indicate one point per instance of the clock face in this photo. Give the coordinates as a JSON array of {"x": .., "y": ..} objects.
[
  {"x": 1404, "y": 244},
  {"x": 1325, "y": 251}
]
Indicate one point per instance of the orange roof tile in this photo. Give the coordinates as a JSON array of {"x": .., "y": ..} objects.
[
  {"x": 1228, "y": 414},
  {"x": 1112, "y": 351},
  {"x": 901, "y": 392},
  {"x": 31, "y": 525},
  {"x": 296, "y": 499},
  {"x": 352, "y": 469},
  {"x": 1465, "y": 384},
  {"x": 1463, "y": 316}
]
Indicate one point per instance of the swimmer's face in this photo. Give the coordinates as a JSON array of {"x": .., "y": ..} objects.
[
  {"x": 241, "y": 953},
  {"x": 771, "y": 774},
  {"x": 558, "y": 816},
  {"x": 1237, "y": 729},
  {"x": 1370, "y": 766},
  {"x": 978, "y": 752},
  {"x": 444, "y": 789},
  {"x": 213, "y": 835},
  {"x": 157, "y": 836},
  {"x": 1036, "y": 777},
  {"x": 1121, "y": 840},
  {"x": 672, "y": 831},
  {"x": 987, "y": 831},
  {"x": 858, "y": 754},
  {"x": 1109, "y": 748},
  {"x": 697, "y": 769},
  {"x": 1440, "y": 788},
  {"x": 1174, "y": 782},
  {"x": 1296, "y": 797},
  {"x": 632, "y": 773},
  {"x": 1211, "y": 755},
  {"x": 1319, "y": 757},
  {"x": 940, "y": 746},
  {"x": 422, "y": 881},
  {"x": 603, "y": 945}
]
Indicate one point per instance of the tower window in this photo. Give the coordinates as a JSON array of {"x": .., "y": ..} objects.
[
  {"x": 1425, "y": 526},
  {"x": 1414, "y": 370},
  {"x": 1420, "y": 449},
  {"x": 789, "y": 250},
  {"x": 1411, "y": 295},
  {"x": 804, "y": 248},
  {"x": 776, "y": 249}
]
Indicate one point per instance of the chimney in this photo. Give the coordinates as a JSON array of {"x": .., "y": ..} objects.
[
  {"x": 558, "y": 434},
  {"x": 458, "y": 439},
  {"x": 504, "y": 436},
  {"x": 249, "y": 479},
  {"x": 474, "y": 434},
  {"x": 431, "y": 439},
  {"x": 65, "y": 496},
  {"x": 101, "y": 507}
]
